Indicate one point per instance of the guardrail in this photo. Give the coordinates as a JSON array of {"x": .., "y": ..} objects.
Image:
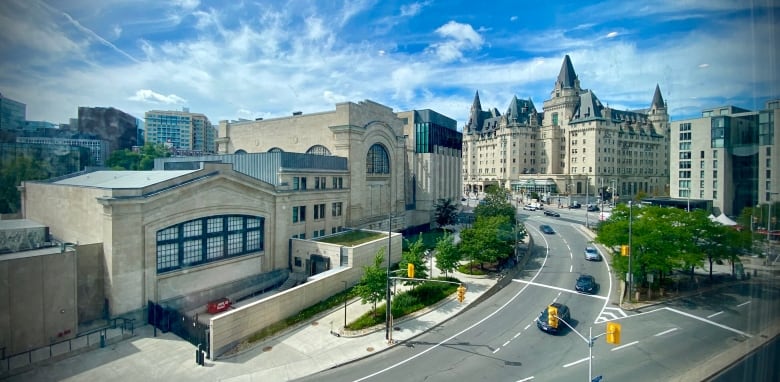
[{"x": 82, "y": 341}]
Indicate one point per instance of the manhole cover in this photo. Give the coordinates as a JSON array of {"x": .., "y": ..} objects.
[
  {"x": 267, "y": 348},
  {"x": 369, "y": 349}
]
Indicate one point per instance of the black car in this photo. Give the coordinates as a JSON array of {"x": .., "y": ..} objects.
[
  {"x": 563, "y": 313},
  {"x": 586, "y": 284},
  {"x": 552, "y": 213},
  {"x": 592, "y": 208},
  {"x": 575, "y": 205},
  {"x": 546, "y": 229}
]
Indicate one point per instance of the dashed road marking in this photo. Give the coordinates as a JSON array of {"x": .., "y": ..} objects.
[
  {"x": 496, "y": 351},
  {"x": 743, "y": 304},
  {"x": 625, "y": 346},
  {"x": 526, "y": 379},
  {"x": 576, "y": 362},
  {"x": 519, "y": 333},
  {"x": 665, "y": 332},
  {"x": 609, "y": 314},
  {"x": 714, "y": 314},
  {"x": 505, "y": 343}
]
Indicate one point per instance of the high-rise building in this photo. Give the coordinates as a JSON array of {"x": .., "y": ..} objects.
[
  {"x": 12, "y": 114},
  {"x": 182, "y": 131},
  {"x": 729, "y": 155},
  {"x": 107, "y": 123},
  {"x": 577, "y": 145}
]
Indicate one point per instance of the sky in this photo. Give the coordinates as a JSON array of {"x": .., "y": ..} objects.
[{"x": 252, "y": 59}]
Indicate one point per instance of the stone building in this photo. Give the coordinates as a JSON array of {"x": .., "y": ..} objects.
[{"x": 576, "y": 145}]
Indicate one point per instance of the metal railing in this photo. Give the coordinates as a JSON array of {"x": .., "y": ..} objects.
[{"x": 126, "y": 325}]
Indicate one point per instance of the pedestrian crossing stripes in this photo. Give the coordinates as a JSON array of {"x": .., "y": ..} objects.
[{"x": 609, "y": 314}]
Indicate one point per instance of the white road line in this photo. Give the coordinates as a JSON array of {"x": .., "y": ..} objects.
[
  {"x": 559, "y": 289},
  {"x": 472, "y": 326},
  {"x": 665, "y": 332},
  {"x": 525, "y": 328},
  {"x": 518, "y": 333},
  {"x": 625, "y": 346},
  {"x": 743, "y": 304},
  {"x": 576, "y": 362},
  {"x": 505, "y": 343},
  {"x": 496, "y": 351},
  {"x": 714, "y": 314},
  {"x": 526, "y": 379},
  {"x": 708, "y": 321},
  {"x": 571, "y": 268}
]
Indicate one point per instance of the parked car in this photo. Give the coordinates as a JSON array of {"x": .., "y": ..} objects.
[
  {"x": 575, "y": 205},
  {"x": 563, "y": 313},
  {"x": 592, "y": 254},
  {"x": 593, "y": 207},
  {"x": 552, "y": 213},
  {"x": 586, "y": 284},
  {"x": 529, "y": 207},
  {"x": 546, "y": 229}
]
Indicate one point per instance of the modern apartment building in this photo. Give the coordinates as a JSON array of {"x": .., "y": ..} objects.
[
  {"x": 184, "y": 132},
  {"x": 576, "y": 145},
  {"x": 729, "y": 155},
  {"x": 433, "y": 162},
  {"x": 12, "y": 114},
  {"x": 97, "y": 147}
]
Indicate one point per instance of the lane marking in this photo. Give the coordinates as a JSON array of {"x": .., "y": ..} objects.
[
  {"x": 625, "y": 346},
  {"x": 571, "y": 268},
  {"x": 576, "y": 362},
  {"x": 496, "y": 351},
  {"x": 518, "y": 333},
  {"x": 526, "y": 327},
  {"x": 714, "y": 314},
  {"x": 505, "y": 343},
  {"x": 560, "y": 289},
  {"x": 708, "y": 321},
  {"x": 743, "y": 304},
  {"x": 526, "y": 379},
  {"x": 665, "y": 332},
  {"x": 472, "y": 326}
]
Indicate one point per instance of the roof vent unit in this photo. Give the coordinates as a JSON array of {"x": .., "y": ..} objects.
[{"x": 297, "y": 112}]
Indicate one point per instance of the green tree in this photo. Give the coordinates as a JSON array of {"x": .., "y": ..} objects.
[
  {"x": 415, "y": 255},
  {"x": 143, "y": 160},
  {"x": 490, "y": 239},
  {"x": 447, "y": 254},
  {"x": 12, "y": 174},
  {"x": 373, "y": 284},
  {"x": 445, "y": 212},
  {"x": 496, "y": 203}
]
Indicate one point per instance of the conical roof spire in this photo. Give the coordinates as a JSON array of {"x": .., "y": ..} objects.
[
  {"x": 567, "y": 77},
  {"x": 658, "y": 100},
  {"x": 476, "y": 105}
]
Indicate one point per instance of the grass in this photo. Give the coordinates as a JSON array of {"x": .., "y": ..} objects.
[{"x": 352, "y": 238}]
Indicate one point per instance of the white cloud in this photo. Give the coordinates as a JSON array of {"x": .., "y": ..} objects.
[
  {"x": 413, "y": 9},
  {"x": 702, "y": 66},
  {"x": 458, "y": 38},
  {"x": 513, "y": 18},
  {"x": 150, "y": 96},
  {"x": 612, "y": 34}
]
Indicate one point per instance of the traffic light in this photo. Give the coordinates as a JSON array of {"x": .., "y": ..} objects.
[
  {"x": 410, "y": 270},
  {"x": 461, "y": 293},
  {"x": 613, "y": 333},
  {"x": 624, "y": 250},
  {"x": 552, "y": 316}
]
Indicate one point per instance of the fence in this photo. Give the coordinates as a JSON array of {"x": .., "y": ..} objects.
[
  {"x": 186, "y": 327},
  {"x": 82, "y": 341}
]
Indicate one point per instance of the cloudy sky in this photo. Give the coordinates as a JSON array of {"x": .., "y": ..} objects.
[{"x": 263, "y": 58}]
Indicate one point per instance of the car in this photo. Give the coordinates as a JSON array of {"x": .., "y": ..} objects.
[
  {"x": 529, "y": 207},
  {"x": 592, "y": 254},
  {"x": 552, "y": 213},
  {"x": 546, "y": 229},
  {"x": 563, "y": 313},
  {"x": 592, "y": 208},
  {"x": 575, "y": 205},
  {"x": 586, "y": 284}
]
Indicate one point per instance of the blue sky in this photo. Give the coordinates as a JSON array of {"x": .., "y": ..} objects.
[{"x": 249, "y": 59}]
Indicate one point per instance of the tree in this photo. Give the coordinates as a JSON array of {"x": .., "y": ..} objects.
[
  {"x": 373, "y": 284},
  {"x": 491, "y": 239},
  {"x": 496, "y": 203},
  {"x": 447, "y": 255},
  {"x": 143, "y": 160},
  {"x": 415, "y": 255},
  {"x": 445, "y": 212},
  {"x": 12, "y": 174}
]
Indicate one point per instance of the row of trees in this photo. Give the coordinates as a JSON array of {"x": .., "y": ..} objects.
[
  {"x": 126, "y": 159},
  {"x": 665, "y": 239},
  {"x": 491, "y": 239}
]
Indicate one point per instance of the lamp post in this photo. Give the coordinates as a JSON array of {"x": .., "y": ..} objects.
[
  {"x": 630, "y": 254},
  {"x": 345, "y": 304},
  {"x": 387, "y": 295}
]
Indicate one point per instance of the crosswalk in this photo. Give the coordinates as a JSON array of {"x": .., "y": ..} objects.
[{"x": 609, "y": 314}]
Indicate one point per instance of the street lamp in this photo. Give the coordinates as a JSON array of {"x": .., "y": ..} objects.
[{"x": 345, "y": 304}]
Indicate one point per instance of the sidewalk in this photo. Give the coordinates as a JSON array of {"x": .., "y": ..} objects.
[{"x": 302, "y": 351}]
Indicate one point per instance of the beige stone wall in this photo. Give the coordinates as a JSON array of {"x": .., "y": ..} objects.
[
  {"x": 71, "y": 213},
  {"x": 38, "y": 295},
  {"x": 91, "y": 286}
]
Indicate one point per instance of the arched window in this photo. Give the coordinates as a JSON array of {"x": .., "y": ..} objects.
[
  {"x": 318, "y": 150},
  {"x": 208, "y": 239},
  {"x": 377, "y": 160},
  {"x": 240, "y": 151},
  {"x": 275, "y": 150}
]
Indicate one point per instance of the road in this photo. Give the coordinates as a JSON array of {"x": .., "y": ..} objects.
[{"x": 498, "y": 340}]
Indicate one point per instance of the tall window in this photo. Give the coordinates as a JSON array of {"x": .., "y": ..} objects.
[
  {"x": 299, "y": 214},
  {"x": 208, "y": 239},
  {"x": 319, "y": 211},
  {"x": 318, "y": 150},
  {"x": 338, "y": 182},
  {"x": 377, "y": 160},
  {"x": 336, "y": 208}
]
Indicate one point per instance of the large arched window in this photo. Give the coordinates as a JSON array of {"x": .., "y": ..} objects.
[
  {"x": 318, "y": 150},
  {"x": 275, "y": 150},
  {"x": 240, "y": 151},
  {"x": 377, "y": 160},
  {"x": 208, "y": 239}
]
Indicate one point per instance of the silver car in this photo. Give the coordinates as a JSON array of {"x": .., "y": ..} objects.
[{"x": 592, "y": 254}]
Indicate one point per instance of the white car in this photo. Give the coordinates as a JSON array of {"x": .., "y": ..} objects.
[
  {"x": 592, "y": 254},
  {"x": 529, "y": 207}
]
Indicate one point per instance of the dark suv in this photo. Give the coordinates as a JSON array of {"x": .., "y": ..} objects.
[
  {"x": 586, "y": 284},
  {"x": 563, "y": 313}
]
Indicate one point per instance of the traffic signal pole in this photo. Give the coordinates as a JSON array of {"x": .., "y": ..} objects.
[{"x": 590, "y": 340}]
